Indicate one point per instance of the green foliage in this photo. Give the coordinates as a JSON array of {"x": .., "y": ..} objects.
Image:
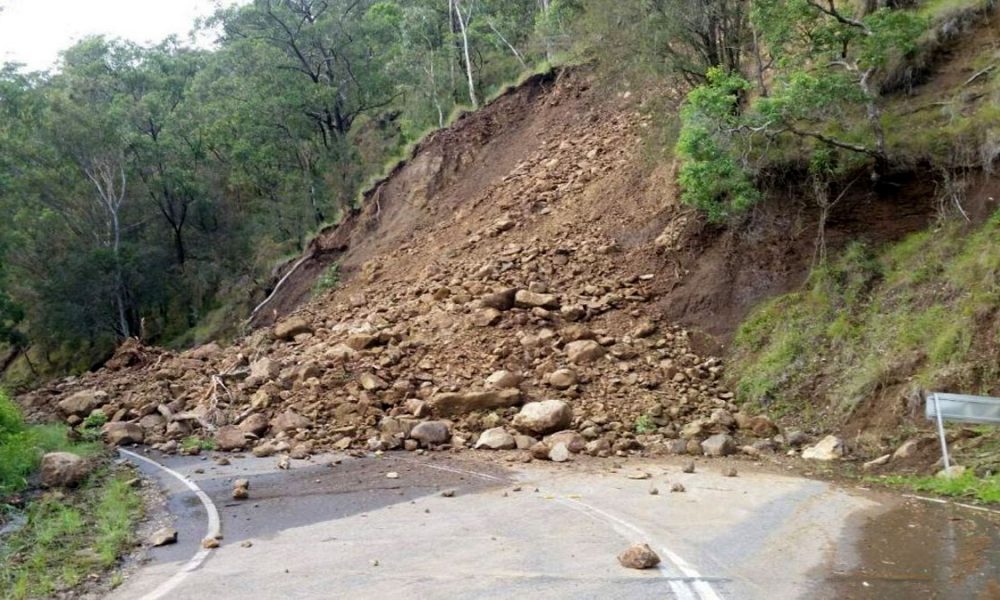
[
  {"x": 329, "y": 279},
  {"x": 90, "y": 429},
  {"x": 984, "y": 490},
  {"x": 22, "y": 446},
  {"x": 193, "y": 441},
  {"x": 645, "y": 424},
  {"x": 67, "y": 538},
  {"x": 914, "y": 310},
  {"x": 711, "y": 175}
]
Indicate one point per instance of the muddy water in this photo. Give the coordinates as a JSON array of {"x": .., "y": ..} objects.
[{"x": 919, "y": 550}]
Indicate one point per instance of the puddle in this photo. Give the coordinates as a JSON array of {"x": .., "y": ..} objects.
[{"x": 920, "y": 550}]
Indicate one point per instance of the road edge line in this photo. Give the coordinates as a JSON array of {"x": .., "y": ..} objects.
[{"x": 214, "y": 528}]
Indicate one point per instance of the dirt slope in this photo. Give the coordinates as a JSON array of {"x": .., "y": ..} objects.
[{"x": 622, "y": 297}]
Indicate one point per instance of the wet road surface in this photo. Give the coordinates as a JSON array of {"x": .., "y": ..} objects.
[{"x": 337, "y": 527}]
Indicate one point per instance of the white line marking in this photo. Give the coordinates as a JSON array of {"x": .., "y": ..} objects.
[
  {"x": 702, "y": 588},
  {"x": 213, "y": 530},
  {"x": 943, "y": 501}
]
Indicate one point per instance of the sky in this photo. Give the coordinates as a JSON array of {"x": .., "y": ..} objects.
[{"x": 34, "y": 31}]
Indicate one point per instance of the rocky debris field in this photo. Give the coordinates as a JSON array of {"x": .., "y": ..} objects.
[{"x": 524, "y": 320}]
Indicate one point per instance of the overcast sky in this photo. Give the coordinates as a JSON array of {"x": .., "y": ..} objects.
[{"x": 34, "y": 31}]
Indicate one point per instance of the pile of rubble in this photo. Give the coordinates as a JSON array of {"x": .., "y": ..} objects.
[{"x": 518, "y": 322}]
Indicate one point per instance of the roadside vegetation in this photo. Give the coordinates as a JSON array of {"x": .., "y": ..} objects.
[
  {"x": 968, "y": 487},
  {"x": 57, "y": 538}
]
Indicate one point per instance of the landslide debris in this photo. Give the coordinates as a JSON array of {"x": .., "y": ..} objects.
[{"x": 523, "y": 316}]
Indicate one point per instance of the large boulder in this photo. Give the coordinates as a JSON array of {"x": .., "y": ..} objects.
[
  {"x": 264, "y": 369},
  {"x": 573, "y": 441},
  {"x": 230, "y": 437},
  {"x": 829, "y": 448},
  {"x": 82, "y": 403},
  {"x": 63, "y": 469},
  {"x": 496, "y": 439},
  {"x": 544, "y": 417},
  {"x": 119, "y": 433},
  {"x": 431, "y": 432},
  {"x": 501, "y": 380},
  {"x": 584, "y": 351},
  {"x": 291, "y": 327},
  {"x": 289, "y": 420},
  {"x": 639, "y": 556},
  {"x": 720, "y": 444},
  {"x": 457, "y": 403},
  {"x": 255, "y": 423},
  {"x": 502, "y": 300},
  {"x": 562, "y": 379},
  {"x": 529, "y": 299}
]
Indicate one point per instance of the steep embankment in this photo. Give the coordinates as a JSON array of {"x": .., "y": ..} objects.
[{"x": 530, "y": 252}]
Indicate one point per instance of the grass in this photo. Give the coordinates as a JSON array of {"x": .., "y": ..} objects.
[
  {"x": 192, "y": 441},
  {"x": 984, "y": 490},
  {"x": 645, "y": 424},
  {"x": 22, "y": 446},
  {"x": 921, "y": 312},
  {"x": 66, "y": 539}
]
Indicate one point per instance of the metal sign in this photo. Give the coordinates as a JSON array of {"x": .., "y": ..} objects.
[{"x": 963, "y": 408}]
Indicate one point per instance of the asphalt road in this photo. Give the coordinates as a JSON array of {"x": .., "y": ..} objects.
[{"x": 338, "y": 527}]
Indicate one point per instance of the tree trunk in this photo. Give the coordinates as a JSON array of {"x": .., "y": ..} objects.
[{"x": 463, "y": 27}]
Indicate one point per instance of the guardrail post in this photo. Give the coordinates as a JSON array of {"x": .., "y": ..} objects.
[{"x": 940, "y": 428}]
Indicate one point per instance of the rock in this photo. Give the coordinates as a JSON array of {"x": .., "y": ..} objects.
[
  {"x": 230, "y": 437},
  {"x": 256, "y": 424},
  {"x": 730, "y": 472},
  {"x": 829, "y": 448},
  {"x": 584, "y": 351},
  {"x": 264, "y": 450},
  {"x": 952, "y": 472},
  {"x": 598, "y": 447},
  {"x": 878, "y": 462},
  {"x": 447, "y": 493},
  {"x": 638, "y": 475},
  {"x": 457, "y": 403},
  {"x": 639, "y": 556},
  {"x": 291, "y": 327},
  {"x": 392, "y": 475},
  {"x": 63, "y": 469},
  {"x": 540, "y": 450},
  {"x": 299, "y": 451},
  {"x": 574, "y": 442},
  {"x": 119, "y": 433},
  {"x": 431, "y": 432},
  {"x": 163, "y": 537},
  {"x": 720, "y": 444},
  {"x": 83, "y": 403},
  {"x": 289, "y": 420},
  {"x": 544, "y": 417},
  {"x": 762, "y": 426},
  {"x": 722, "y": 419},
  {"x": 264, "y": 369},
  {"x": 284, "y": 462},
  {"x": 529, "y": 299},
  {"x": 562, "y": 379},
  {"x": 372, "y": 382},
  {"x": 360, "y": 341},
  {"x": 486, "y": 317},
  {"x": 677, "y": 487},
  {"x": 797, "y": 438},
  {"x": 694, "y": 429},
  {"x": 240, "y": 493},
  {"x": 645, "y": 328},
  {"x": 524, "y": 442},
  {"x": 500, "y": 380},
  {"x": 907, "y": 449},
  {"x": 559, "y": 453},
  {"x": 503, "y": 300},
  {"x": 209, "y": 543},
  {"x": 688, "y": 468},
  {"x": 496, "y": 439}
]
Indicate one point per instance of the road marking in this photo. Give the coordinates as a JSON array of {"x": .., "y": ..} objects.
[
  {"x": 702, "y": 588},
  {"x": 214, "y": 529}
]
